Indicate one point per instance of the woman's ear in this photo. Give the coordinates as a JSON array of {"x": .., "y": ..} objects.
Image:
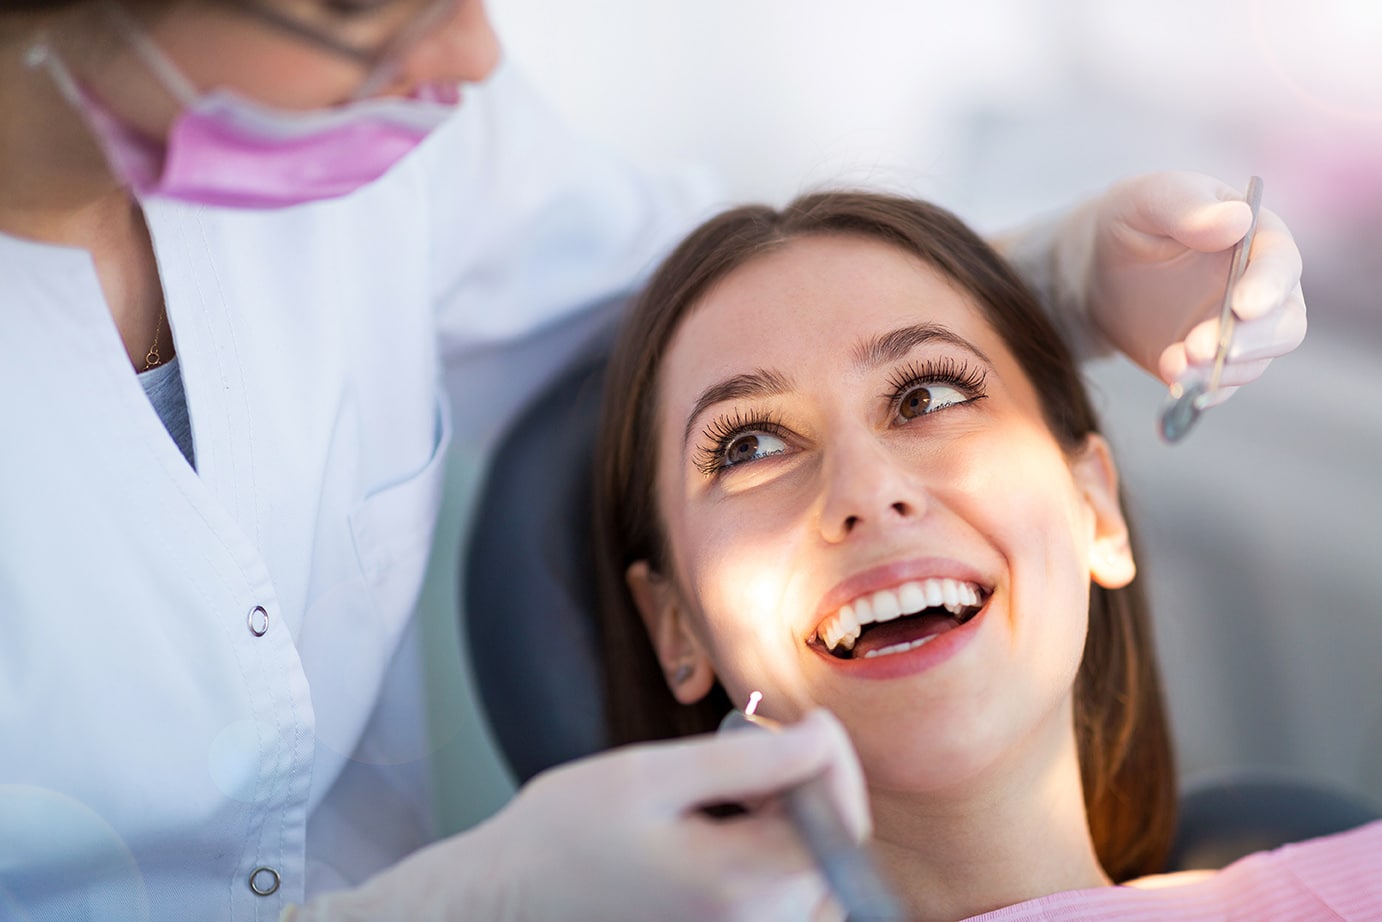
[
  {"x": 1111, "y": 562},
  {"x": 685, "y": 665}
]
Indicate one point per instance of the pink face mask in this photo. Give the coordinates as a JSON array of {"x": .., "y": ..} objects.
[{"x": 229, "y": 151}]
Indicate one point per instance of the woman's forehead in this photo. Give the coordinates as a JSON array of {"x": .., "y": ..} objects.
[{"x": 814, "y": 300}]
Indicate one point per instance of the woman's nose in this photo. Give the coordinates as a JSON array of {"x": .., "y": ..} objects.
[
  {"x": 461, "y": 48},
  {"x": 867, "y": 487}
]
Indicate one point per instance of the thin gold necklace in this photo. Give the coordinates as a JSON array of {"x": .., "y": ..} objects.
[{"x": 152, "y": 359}]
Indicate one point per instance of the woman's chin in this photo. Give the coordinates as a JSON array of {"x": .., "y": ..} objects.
[
  {"x": 950, "y": 754},
  {"x": 936, "y": 765},
  {"x": 951, "y": 786}
]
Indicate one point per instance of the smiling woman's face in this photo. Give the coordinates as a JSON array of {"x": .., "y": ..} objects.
[{"x": 843, "y": 441}]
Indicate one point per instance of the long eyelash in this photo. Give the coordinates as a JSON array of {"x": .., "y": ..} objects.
[
  {"x": 710, "y": 456},
  {"x": 355, "y": 7},
  {"x": 968, "y": 379}
]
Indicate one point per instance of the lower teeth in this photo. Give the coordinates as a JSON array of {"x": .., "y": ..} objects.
[{"x": 901, "y": 647}]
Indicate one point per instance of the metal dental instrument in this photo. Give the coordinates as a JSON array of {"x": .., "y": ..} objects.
[
  {"x": 1185, "y": 404},
  {"x": 847, "y": 866}
]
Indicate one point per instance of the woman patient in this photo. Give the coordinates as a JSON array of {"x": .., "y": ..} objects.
[{"x": 847, "y": 462}]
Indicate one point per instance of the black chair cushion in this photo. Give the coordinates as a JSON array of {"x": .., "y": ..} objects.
[
  {"x": 1227, "y": 819},
  {"x": 528, "y": 581}
]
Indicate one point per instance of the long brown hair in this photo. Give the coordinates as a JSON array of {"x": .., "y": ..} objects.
[{"x": 1124, "y": 746}]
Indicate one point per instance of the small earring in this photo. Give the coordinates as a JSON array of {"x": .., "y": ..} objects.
[{"x": 682, "y": 673}]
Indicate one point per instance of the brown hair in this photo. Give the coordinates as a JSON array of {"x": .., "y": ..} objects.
[
  {"x": 62, "y": 6},
  {"x": 1124, "y": 746}
]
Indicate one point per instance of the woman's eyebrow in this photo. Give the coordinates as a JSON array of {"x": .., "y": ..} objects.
[
  {"x": 895, "y": 344},
  {"x": 758, "y": 383}
]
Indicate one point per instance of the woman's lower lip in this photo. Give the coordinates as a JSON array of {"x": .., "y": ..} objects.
[{"x": 907, "y": 662}]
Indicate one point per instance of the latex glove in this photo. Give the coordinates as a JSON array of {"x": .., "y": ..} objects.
[
  {"x": 1143, "y": 268},
  {"x": 620, "y": 836}
]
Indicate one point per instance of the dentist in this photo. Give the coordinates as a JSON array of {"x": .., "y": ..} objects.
[{"x": 239, "y": 242}]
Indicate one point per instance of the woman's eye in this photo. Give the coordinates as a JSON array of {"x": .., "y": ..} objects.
[
  {"x": 928, "y": 398},
  {"x": 751, "y": 446}
]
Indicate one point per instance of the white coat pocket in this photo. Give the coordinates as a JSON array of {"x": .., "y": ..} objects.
[
  {"x": 393, "y": 530},
  {"x": 353, "y": 630}
]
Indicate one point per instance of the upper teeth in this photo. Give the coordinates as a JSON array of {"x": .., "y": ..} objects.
[{"x": 842, "y": 629}]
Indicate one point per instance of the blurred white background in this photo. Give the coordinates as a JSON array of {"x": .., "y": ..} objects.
[{"x": 1263, "y": 532}]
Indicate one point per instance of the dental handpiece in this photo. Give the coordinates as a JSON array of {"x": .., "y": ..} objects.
[{"x": 846, "y": 865}]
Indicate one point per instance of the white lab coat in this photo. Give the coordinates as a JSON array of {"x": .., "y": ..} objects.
[{"x": 154, "y": 749}]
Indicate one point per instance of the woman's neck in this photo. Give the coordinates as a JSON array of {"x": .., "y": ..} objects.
[
  {"x": 1017, "y": 832},
  {"x": 53, "y": 169},
  {"x": 56, "y": 187}
]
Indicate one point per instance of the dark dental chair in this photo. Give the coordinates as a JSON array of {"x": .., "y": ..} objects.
[
  {"x": 528, "y": 586},
  {"x": 529, "y": 590},
  {"x": 1222, "y": 820}
]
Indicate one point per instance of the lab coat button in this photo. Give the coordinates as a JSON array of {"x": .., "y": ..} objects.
[
  {"x": 259, "y": 621},
  {"x": 264, "y": 881}
]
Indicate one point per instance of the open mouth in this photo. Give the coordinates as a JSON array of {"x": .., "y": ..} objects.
[{"x": 899, "y": 619}]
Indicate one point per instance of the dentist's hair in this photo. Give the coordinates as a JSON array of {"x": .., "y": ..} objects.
[
  {"x": 1124, "y": 747},
  {"x": 62, "y": 6}
]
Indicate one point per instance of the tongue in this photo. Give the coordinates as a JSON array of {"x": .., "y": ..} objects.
[{"x": 901, "y": 630}]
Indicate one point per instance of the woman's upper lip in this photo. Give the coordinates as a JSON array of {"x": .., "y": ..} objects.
[{"x": 889, "y": 575}]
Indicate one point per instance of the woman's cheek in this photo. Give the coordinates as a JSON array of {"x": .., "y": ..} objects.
[
  {"x": 742, "y": 582},
  {"x": 738, "y": 583}
]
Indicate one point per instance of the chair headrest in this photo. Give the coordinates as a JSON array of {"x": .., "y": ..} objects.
[{"x": 528, "y": 581}]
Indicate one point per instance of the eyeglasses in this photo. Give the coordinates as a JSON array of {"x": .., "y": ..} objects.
[{"x": 382, "y": 63}]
